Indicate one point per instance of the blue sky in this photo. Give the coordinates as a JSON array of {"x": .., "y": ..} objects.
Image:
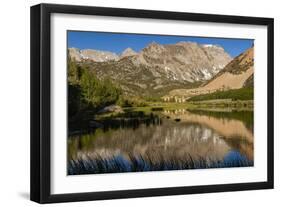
[{"x": 117, "y": 42}]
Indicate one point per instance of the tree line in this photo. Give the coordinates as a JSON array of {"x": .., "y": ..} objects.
[{"x": 86, "y": 91}]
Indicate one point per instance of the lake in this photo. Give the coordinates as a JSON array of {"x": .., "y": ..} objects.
[{"x": 163, "y": 140}]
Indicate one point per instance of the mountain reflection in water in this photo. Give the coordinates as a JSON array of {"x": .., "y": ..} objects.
[{"x": 181, "y": 140}]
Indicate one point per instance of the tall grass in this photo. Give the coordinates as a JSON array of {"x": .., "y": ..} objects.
[{"x": 118, "y": 164}]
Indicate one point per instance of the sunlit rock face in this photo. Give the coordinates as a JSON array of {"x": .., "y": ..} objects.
[
  {"x": 187, "y": 61},
  {"x": 238, "y": 73},
  {"x": 157, "y": 68}
]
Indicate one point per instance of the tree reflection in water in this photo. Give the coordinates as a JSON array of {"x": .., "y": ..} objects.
[{"x": 199, "y": 140}]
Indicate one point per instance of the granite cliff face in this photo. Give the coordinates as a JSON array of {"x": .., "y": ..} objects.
[
  {"x": 184, "y": 61},
  {"x": 236, "y": 74}
]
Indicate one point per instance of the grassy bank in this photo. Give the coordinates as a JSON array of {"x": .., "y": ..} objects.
[
  {"x": 223, "y": 104},
  {"x": 235, "y": 94}
]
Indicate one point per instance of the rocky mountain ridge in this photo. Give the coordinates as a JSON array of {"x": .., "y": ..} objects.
[
  {"x": 157, "y": 67},
  {"x": 92, "y": 55},
  {"x": 128, "y": 52},
  {"x": 186, "y": 61},
  {"x": 237, "y": 74}
]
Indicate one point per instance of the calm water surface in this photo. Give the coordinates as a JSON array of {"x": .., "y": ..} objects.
[{"x": 164, "y": 140}]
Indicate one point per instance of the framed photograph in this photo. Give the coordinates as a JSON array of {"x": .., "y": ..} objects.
[{"x": 133, "y": 103}]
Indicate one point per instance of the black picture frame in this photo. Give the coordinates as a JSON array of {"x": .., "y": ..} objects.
[{"x": 41, "y": 95}]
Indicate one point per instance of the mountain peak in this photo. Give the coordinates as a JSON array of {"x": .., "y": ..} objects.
[
  {"x": 186, "y": 43},
  {"x": 154, "y": 47},
  {"x": 180, "y": 62},
  {"x": 128, "y": 52},
  {"x": 153, "y": 43},
  {"x": 208, "y": 45},
  {"x": 212, "y": 46}
]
